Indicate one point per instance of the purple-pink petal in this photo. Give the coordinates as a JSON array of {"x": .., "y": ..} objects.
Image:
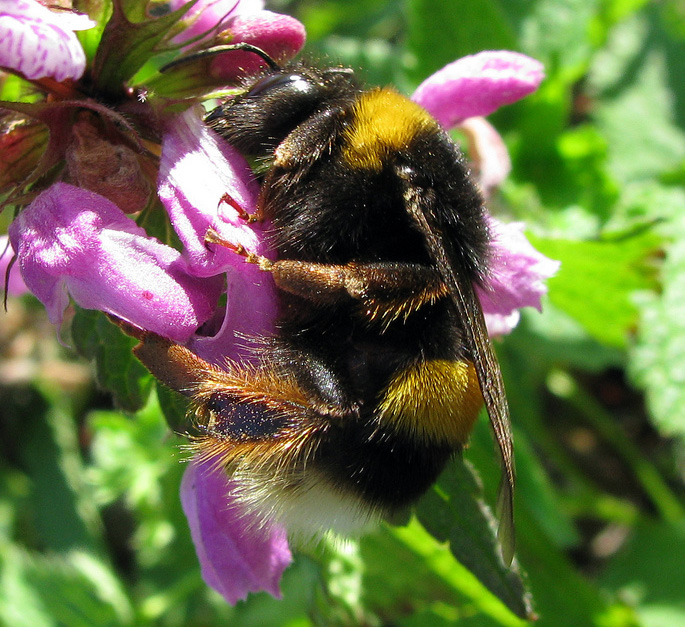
[
  {"x": 477, "y": 85},
  {"x": 197, "y": 170},
  {"x": 73, "y": 241},
  {"x": 500, "y": 324},
  {"x": 15, "y": 284},
  {"x": 251, "y": 309},
  {"x": 517, "y": 277},
  {"x": 237, "y": 554},
  {"x": 38, "y": 42},
  {"x": 488, "y": 153},
  {"x": 280, "y": 36}
]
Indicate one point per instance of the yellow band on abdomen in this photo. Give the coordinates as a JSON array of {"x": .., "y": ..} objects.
[{"x": 436, "y": 400}]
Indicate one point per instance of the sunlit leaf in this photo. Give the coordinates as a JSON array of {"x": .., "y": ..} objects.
[
  {"x": 597, "y": 281},
  {"x": 73, "y": 589},
  {"x": 648, "y": 573},
  {"x": 454, "y": 512},
  {"x": 659, "y": 356},
  {"x": 118, "y": 371}
]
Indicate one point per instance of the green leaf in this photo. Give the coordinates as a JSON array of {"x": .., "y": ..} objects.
[
  {"x": 648, "y": 572},
  {"x": 658, "y": 359},
  {"x": 597, "y": 281},
  {"x": 440, "y": 31},
  {"x": 439, "y": 559},
  {"x": 62, "y": 516},
  {"x": 13, "y": 89},
  {"x": 175, "y": 408},
  {"x": 376, "y": 59},
  {"x": 298, "y": 587},
  {"x": 73, "y": 589},
  {"x": 118, "y": 371},
  {"x": 130, "y": 455},
  {"x": 99, "y": 12},
  {"x": 640, "y": 81},
  {"x": 555, "y": 32},
  {"x": 453, "y": 512},
  {"x": 397, "y": 578},
  {"x": 127, "y": 44},
  {"x": 560, "y": 341},
  {"x": 363, "y": 19},
  {"x": 562, "y": 597},
  {"x": 587, "y": 182}
]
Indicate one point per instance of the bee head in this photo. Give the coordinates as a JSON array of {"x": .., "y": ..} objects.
[{"x": 276, "y": 102}]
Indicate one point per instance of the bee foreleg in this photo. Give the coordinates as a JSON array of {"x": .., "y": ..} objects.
[
  {"x": 212, "y": 237},
  {"x": 243, "y": 214}
]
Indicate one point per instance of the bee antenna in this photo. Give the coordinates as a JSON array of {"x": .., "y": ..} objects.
[{"x": 210, "y": 52}]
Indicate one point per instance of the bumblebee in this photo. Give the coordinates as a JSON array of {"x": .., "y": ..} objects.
[{"x": 381, "y": 361}]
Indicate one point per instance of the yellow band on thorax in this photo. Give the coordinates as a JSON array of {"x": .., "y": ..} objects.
[{"x": 384, "y": 121}]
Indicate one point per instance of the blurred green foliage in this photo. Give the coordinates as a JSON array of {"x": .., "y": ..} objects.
[{"x": 91, "y": 528}]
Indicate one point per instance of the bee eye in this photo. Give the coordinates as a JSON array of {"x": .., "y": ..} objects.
[{"x": 294, "y": 84}]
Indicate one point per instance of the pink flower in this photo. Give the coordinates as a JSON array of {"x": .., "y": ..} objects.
[
  {"x": 73, "y": 241},
  {"x": 517, "y": 277},
  {"x": 463, "y": 92},
  {"x": 234, "y": 21},
  {"x": 236, "y": 555},
  {"x": 460, "y": 94},
  {"x": 38, "y": 42},
  {"x": 196, "y": 170},
  {"x": 477, "y": 85},
  {"x": 488, "y": 153},
  {"x": 280, "y": 36}
]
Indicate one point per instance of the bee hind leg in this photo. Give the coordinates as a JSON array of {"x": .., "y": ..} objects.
[{"x": 264, "y": 427}]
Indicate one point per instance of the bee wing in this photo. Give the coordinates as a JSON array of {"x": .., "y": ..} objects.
[{"x": 468, "y": 308}]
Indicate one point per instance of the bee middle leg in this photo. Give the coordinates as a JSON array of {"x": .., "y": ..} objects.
[
  {"x": 384, "y": 290},
  {"x": 384, "y": 286}
]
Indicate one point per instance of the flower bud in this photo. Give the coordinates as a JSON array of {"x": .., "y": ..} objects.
[
  {"x": 111, "y": 170},
  {"x": 280, "y": 36}
]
